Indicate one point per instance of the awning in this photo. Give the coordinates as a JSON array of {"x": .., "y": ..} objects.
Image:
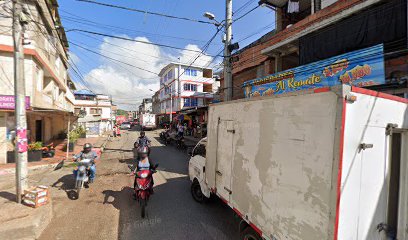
[{"x": 183, "y": 117}]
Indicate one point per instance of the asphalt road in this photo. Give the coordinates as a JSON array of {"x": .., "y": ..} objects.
[{"x": 106, "y": 210}]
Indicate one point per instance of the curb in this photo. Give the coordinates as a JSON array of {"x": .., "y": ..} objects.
[
  {"x": 29, "y": 227},
  {"x": 13, "y": 170}
]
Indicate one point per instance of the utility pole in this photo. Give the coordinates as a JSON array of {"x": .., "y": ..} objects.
[
  {"x": 227, "y": 52},
  {"x": 179, "y": 85},
  {"x": 20, "y": 103}
]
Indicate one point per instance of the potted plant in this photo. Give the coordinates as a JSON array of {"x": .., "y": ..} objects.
[
  {"x": 73, "y": 137},
  {"x": 81, "y": 131},
  {"x": 35, "y": 151}
]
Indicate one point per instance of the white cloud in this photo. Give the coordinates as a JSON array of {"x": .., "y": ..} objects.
[{"x": 127, "y": 84}]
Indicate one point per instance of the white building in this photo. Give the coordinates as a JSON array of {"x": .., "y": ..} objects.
[
  {"x": 49, "y": 99},
  {"x": 194, "y": 87},
  {"x": 98, "y": 112},
  {"x": 146, "y": 106}
]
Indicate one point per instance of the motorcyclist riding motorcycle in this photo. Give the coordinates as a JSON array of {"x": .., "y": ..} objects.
[
  {"x": 143, "y": 141},
  {"x": 87, "y": 153},
  {"x": 143, "y": 163}
]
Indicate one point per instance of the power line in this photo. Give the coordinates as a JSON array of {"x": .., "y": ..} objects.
[
  {"x": 113, "y": 59},
  {"x": 144, "y": 11},
  {"x": 134, "y": 40},
  {"x": 245, "y": 5},
  {"x": 245, "y": 14},
  {"x": 84, "y": 21}
]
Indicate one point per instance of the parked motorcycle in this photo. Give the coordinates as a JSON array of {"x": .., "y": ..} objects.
[
  {"x": 144, "y": 186},
  {"x": 48, "y": 151},
  {"x": 165, "y": 136},
  {"x": 82, "y": 175}
]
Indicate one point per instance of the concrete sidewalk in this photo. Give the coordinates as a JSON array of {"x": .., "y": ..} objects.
[{"x": 18, "y": 221}]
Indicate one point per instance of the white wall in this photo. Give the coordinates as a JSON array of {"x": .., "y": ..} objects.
[{"x": 326, "y": 3}]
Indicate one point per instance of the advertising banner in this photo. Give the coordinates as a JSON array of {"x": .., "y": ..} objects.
[
  {"x": 358, "y": 68},
  {"x": 8, "y": 102}
]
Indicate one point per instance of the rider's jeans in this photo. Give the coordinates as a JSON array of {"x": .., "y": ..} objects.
[{"x": 92, "y": 172}]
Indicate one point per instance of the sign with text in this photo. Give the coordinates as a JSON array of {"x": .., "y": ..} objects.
[
  {"x": 359, "y": 68},
  {"x": 8, "y": 102}
]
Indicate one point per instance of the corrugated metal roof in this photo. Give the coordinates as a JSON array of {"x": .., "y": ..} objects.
[{"x": 84, "y": 92}]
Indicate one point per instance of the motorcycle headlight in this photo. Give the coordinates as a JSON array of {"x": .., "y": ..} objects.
[
  {"x": 82, "y": 168},
  {"x": 143, "y": 175}
]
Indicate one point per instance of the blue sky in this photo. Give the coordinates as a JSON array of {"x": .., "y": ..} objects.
[{"x": 99, "y": 71}]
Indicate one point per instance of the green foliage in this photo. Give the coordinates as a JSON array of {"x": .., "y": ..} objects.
[
  {"x": 36, "y": 146},
  {"x": 121, "y": 112},
  {"x": 73, "y": 136}
]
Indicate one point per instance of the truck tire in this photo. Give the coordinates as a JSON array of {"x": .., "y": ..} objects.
[
  {"x": 197, "y": 193},
  {"x": 250, "y": 234}
]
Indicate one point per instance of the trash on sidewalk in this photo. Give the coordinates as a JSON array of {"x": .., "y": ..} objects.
[{"x": 36, "y": 196}]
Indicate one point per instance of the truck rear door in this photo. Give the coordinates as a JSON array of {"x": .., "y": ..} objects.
[{"x": 225, "y": 157}]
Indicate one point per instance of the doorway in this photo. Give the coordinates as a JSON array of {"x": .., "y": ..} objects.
[
  {"x": 38, "y": 130},
  {"x": 397, "y": 195}
]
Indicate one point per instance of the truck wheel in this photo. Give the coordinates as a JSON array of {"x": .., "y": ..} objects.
[
  {"x": 197, "y": 193},
  {"x": 250, "y": 234}
]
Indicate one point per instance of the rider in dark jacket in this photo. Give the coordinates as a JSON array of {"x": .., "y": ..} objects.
[{"x": 143, "y": 141}]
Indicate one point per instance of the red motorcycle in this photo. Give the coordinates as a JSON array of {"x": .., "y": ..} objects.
[{"x": 144, "y": 186}]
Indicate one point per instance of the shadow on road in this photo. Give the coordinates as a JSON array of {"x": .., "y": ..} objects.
[
  {"x": 66, "y": 183},
  {"x": 8, "y": 196},
  {"x": 171, "y": 214}
]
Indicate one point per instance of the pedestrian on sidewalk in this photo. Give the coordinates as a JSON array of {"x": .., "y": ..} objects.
[
  {"x": 118, "y": 131},
  {"x": 114, "y": 131}
]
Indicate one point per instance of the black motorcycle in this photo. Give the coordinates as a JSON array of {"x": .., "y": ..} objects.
[{"x": 180, "y": 144}]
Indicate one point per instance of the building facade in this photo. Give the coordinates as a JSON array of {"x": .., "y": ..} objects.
[
  {"x": 308, "y": 31},
  {"x": 49, "y": 100},
  {"x": 194, "y": 87},
  {"x": 98, "y": 117},
  {"x": 146, "y": 106}
]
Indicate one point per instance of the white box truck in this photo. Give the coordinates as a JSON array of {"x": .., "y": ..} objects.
[
  {"x": 147, "y": 121},
  {"x": 327, "y": 164}
]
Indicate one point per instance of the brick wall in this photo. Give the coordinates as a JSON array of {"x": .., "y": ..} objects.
[
  {"x": 396, "y": 64},
  {"x": 253, "y": 56}
]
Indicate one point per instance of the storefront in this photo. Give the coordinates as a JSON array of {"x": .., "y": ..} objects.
[
  {"x": 43, "y": 125},
  {"x": 195, "y": 119},
  {"x": 361, "y": 68}
]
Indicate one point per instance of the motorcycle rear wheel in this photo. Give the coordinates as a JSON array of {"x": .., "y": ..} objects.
[
  {"x": 78, "y": 190},
  {"x": 143, "y": 207}
]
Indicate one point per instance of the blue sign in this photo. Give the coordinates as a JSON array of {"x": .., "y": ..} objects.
[{"x": 359, "y": 68}]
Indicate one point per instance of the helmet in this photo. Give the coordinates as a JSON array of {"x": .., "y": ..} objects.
[
  {"x": 142, "y": 151},
  {"x": 142, "y": 133},
  {"x": 87, "y": 147}
]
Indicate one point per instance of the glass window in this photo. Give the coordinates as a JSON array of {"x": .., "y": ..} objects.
[
  {"x": 200, "y": 149},
  {"x": 190, "y": 102},
  {"x": 190, "y": 87}
]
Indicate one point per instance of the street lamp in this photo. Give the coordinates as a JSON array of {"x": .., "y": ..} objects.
[{"x": 211, "y": 17}]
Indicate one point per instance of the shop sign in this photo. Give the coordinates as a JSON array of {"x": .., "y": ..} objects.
[
  {"x": 359, "y": 68},
  {"x": 8, "y": 102}
]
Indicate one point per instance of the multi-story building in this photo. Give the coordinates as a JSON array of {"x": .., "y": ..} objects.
[
  {"x": 98, "y": 112},
  {"x": 307, "y": 31},
  {"x": 48, "y": 98},
  {"x": 146, "y": 106},
  {"x": 193, "y": 88}
]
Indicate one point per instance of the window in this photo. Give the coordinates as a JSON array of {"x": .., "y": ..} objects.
[
  {"x": 190, "y": 87},
  {"x": 190, "y": 102},
  {"x": 190, "y": 72},
  {"x": 200, "y": 149},
  {"x": 96, "y": 111},
  {"x": 170, "y": 75},
  {"x": 40, "y": 79}
]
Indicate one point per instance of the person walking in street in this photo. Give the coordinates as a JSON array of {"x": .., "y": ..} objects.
[{"x": 180, "y": 130}]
